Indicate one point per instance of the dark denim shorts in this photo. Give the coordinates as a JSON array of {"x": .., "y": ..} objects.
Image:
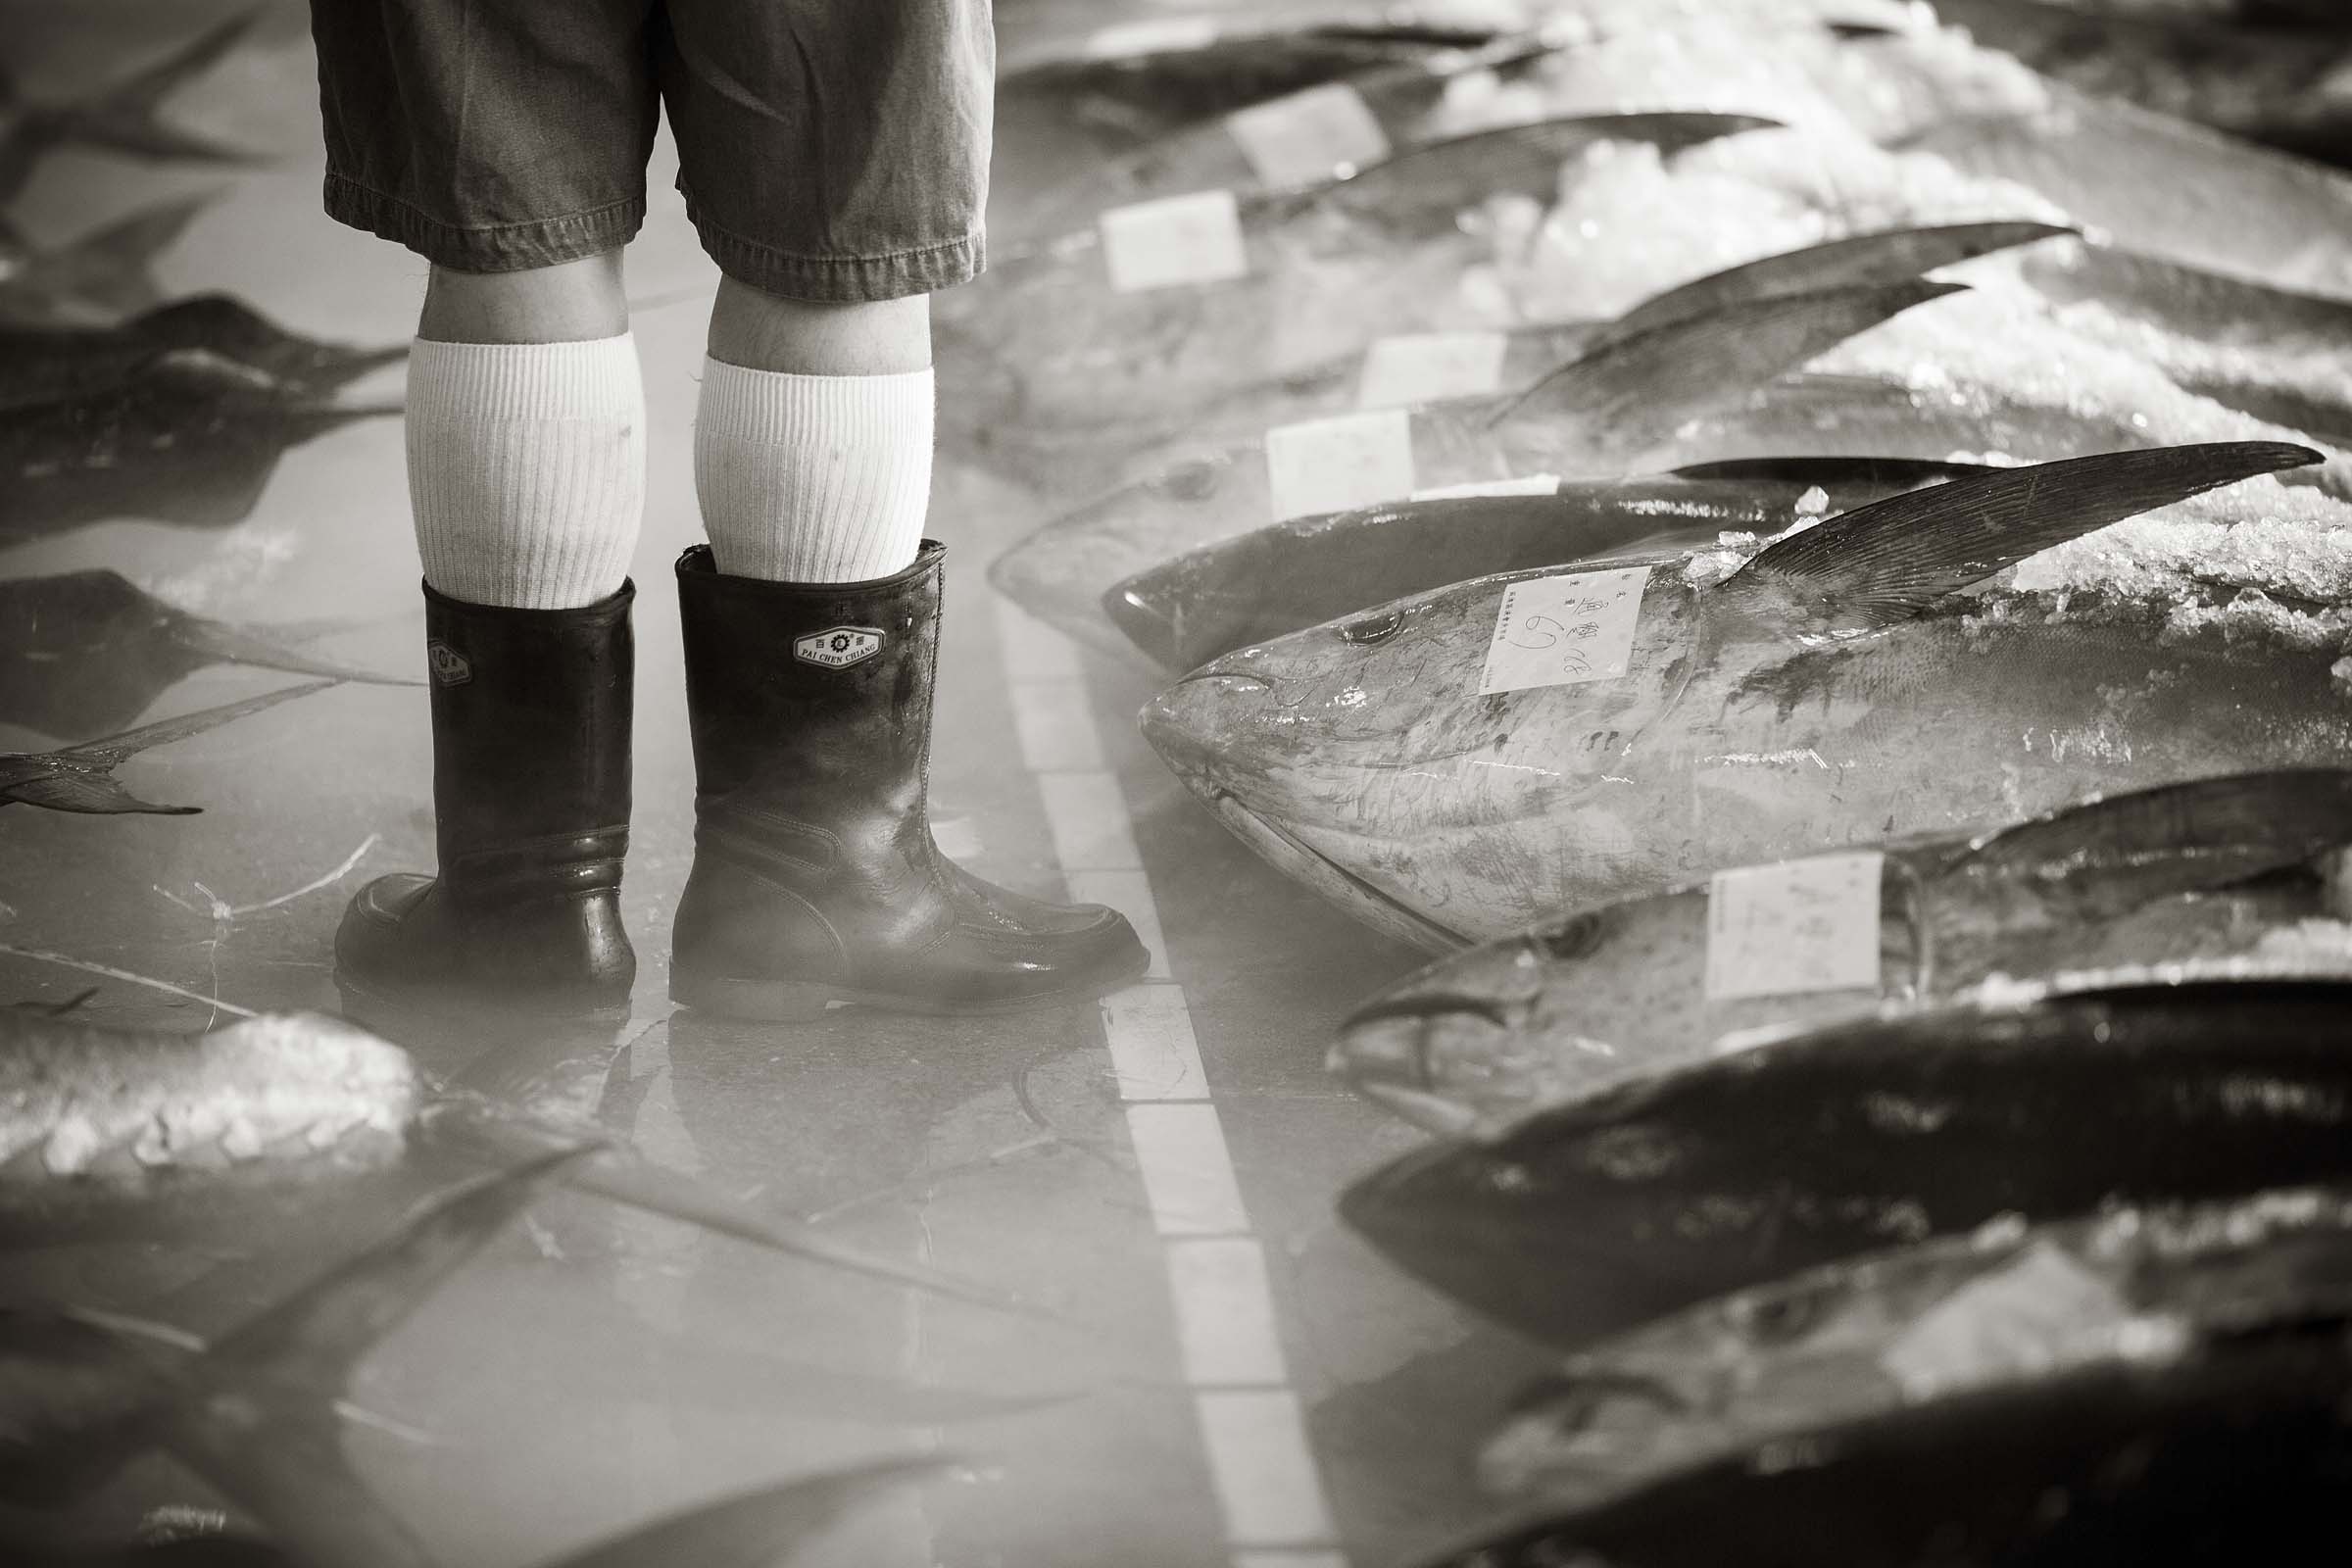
[{"x": 829, "y": 149}]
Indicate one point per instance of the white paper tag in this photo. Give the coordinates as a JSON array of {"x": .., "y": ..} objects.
[
  {"x": 1423, "y": 367},
  {"x": 2016, "y": 1320},
  {"x": 1195, "y": 238},
  {"x": 1315, "y": 134},
  {"x": 1151, "y": 35},
  {"x": 1350, "y": 460},
  {"x": 1561, "y": 631},
  {"x": 1534, "y": 484},
  {"x": 1798, "y": 926}
]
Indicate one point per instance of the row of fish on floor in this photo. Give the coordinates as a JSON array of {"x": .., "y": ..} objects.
[{"x": 1867, "y": 727}]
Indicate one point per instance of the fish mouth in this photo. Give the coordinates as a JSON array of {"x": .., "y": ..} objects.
[{"x": 1393, "y": 1051}]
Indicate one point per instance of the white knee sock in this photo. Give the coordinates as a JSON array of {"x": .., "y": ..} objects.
[
  {"x": 526, "y": 468},
  {"x": 813, "y": 478}
]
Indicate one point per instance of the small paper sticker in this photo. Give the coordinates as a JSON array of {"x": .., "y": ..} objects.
[
  {"x": 1424, "y": 367},
  {"x": 1152, "y": 35},
  {"x": 2019, "y": 1319},
  {"x": 1195, "y": 238},
  {"x": 1799, "y": 926},
  {"x": 1350, "y": 460},
  {"x": 1534, "y": 484},
  {"x": 1561, "y": 631},
  {"x": 1320, "y": 133}
]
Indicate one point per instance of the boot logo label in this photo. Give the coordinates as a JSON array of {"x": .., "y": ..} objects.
[
  {"x": 838, "y": 647},
  {"x": 450, "y": 667}
]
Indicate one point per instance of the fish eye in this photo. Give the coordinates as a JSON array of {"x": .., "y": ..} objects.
[
  {"x": 1780, "y": 1317},
  {"x": 1373, "y": 628},
  {"x": 1577, "y": 938},
  {"x": 1194, "y": 479}
]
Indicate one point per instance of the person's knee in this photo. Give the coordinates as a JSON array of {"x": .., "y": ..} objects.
[
  {"x": 761, "y": 331},
  {"x": 569, "y": 302}
]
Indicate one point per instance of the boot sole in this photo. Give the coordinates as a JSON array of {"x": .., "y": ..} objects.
[
  {"x": 361, "y": 1003},
  {"x": 799, "y": 1000}
]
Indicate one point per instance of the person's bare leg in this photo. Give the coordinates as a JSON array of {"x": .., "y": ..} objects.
[
  {"x": 526, "y": 435},
  {"x": 812, "y": 444}
]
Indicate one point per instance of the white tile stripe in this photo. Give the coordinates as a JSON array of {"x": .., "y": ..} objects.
[{"x": 1251, "y": 1427}]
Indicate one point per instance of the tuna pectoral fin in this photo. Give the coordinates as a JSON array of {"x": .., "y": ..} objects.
[
  {"x": 1863, "y": 260},
  {"x": 757, "y": 1529},
  {"x": 1885, "y": 473},
  {"x": 2116, "y": 855},
  {"x": 236, "y": 645},
  {"x": 1885, "y": 563},
  {"x": 1634, "y": 389},
  {"x": 623, "y": 1177}
]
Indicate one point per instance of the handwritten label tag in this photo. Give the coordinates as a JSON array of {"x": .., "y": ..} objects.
[
  {"x": 1350, "y": 460},
  {"x": 1152, "y": 35},
  {"x": 1423, "y": 367},
  {"x": 1534, "y": 484},
  {"x": 1798, "y": 926},
  {"x": 2019, "y": 1319},
  {"x": 1316, "y": 135},
  {"x": 1561, "y": 631},
  {"x": 1195, "y": 238}
]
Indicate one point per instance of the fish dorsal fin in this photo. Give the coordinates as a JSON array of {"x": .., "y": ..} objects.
[
  {"x": 113, "y": 749},
  {"x": 1883, "y": 258},
  {"x": 1673, "y": 373},
  {"x": 2180, "y": 838},
  {"x": 1828, "y": 472},
  {"x": 1886, "y": 562}
]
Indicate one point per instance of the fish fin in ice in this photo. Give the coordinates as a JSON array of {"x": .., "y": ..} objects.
[
  {"x": 1636, "y": 388},
  {"x": 1885, "y": 563},
  {"x": 1889, "y": 257},
  {"x": 1828, "y": 472},
  {"x": 758, "y": 1528},
  {"x": 2119, "y": 853}
]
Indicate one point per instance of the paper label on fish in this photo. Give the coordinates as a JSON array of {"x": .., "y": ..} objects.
[
  {"x": 2018, "y": 1320},
  {"x": 1798, "y": 926},
  {"x": 1423, "y": 367},
  {"x": 1302, "y": 138},
  {"x": 1194, "y": 238},
  {"x": 1151, "y": 35},
  {"x": 1561, "y": 631},
  {"x": 1534, "y": 484},
  {"x": 1350, "y": 460}
]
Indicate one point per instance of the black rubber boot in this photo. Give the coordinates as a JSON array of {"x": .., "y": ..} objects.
[
  {"x": 815, "y": 879},
  {"x": 532, "y": 712}
]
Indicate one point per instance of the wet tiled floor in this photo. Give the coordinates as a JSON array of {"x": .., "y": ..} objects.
[{"x": 595, "y": 1367}]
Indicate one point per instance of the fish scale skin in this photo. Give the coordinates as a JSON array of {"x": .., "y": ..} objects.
[
  {"x": 1588, "y": 1220},
  {"x": 75, "y": 1096},
  {"x": 1485, "y": 814}
]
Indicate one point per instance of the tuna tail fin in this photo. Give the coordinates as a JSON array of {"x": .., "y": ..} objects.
[
  {"x": 126, "y": 118},
  {"x": 86, "y": 795},
  {"x": 1865, "y": 259},
  {"x": 2240, "y": 826},
  {"x": 754, "y": 1528},
  {"x": 255, "y": 1417},
  {"x": 1885, "y": 563},
  {"x": 110, "y": 750},
  {"x": 114, "y": 267},
  {"x": 1634, "y": 389},
  {"x": 621, "y": 1176}
]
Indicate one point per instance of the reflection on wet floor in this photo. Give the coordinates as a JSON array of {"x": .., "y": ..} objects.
[{"x": 202, "y": 509}]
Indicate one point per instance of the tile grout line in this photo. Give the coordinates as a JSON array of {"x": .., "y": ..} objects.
[{"x": 1252, "y": 1429}]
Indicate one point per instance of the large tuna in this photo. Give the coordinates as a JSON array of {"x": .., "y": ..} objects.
[
  {"x": 2225, "y": 878},
  {"x": 1837, "y": 686}
]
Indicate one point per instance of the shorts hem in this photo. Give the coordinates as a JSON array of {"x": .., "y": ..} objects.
[
  {"x": 488, "y": 248},
  {"x": 842, "y": 279}
]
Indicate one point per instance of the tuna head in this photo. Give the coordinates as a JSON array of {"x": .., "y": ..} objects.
[{"x": 1366, "y": 744}]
